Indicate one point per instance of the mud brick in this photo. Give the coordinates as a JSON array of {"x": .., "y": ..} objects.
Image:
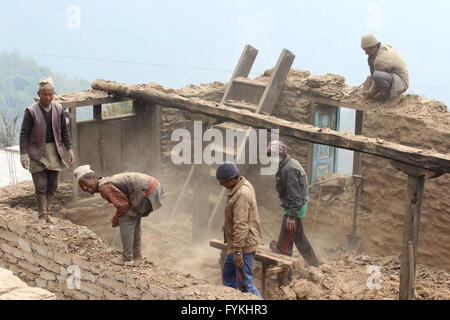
[
  {"x": 10, "y": 258},
  {"x": 24, "y": 245},
  {"x": 54, "y": 286},
  {"x": 48, "y": 264},
  {"x": 116, "y": 276},
  {"x": 18, "y": 227},
  {"x": 8, "y": 236},
  {"x": 63, "y": 259},
  {"x": 47, "y": 276},
  {"x": 29, "y": 267},
  {"x": 41, "y": 283}
]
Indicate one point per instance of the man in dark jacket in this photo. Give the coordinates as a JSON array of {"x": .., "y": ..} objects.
[
  {"x": 134, "y": 195},
  {"x": 43, "y": 136},
  {"x": 292, "y": 188}
]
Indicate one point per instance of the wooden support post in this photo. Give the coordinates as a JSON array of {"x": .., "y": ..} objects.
[
  {"x": 149, "y": 118},
  {"x": 263, "y": 278},
  {"x": 76, "y": 149},
  {"x": 97, "y": 112},
  {"x": 359, "y": 122},
  {"x": 416, "y": 185}
]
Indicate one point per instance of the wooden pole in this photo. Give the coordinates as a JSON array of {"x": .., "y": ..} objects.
[
  {"x": 415, "y": 190},
  {"x": 74, "y": 138}
]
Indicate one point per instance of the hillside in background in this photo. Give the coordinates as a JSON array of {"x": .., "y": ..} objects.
[{"x": 19, "y": 78}]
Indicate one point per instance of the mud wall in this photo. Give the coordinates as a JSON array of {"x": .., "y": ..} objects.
[
  {"x": 44, "y": 256},
  {"x": 384, "y": 193}
]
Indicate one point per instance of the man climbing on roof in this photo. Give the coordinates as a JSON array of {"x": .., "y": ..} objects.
[
  {"x": 292, "y": 188},
  {"x": 134, "y": 195},
  {"x": 389, "y": 77}
]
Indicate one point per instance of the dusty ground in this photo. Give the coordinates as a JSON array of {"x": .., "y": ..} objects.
[{"x": 168, "y": 243}]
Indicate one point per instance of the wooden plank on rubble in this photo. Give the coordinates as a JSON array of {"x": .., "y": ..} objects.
[{"x": 420, "y": 158}]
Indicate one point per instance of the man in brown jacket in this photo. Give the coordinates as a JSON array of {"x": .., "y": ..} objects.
[
  {"x": 389, "y": 77},
  {"x": 242, "y": 230},
  {"x": 45, "y": 146}
]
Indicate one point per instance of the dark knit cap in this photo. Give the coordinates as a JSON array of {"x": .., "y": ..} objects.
[{"x": 227, "y": 171}]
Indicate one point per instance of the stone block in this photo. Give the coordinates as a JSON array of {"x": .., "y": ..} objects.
[
  {"x": 110, "y": 296},
  {"x": 24, "y": 245},
  {"x": 36, "y": 237},
  {"x": 10, "y": 258},
  {"x": 19, "y": 254},
  {"x": 77, "y": 295},
  {"x": 63, "y": 259},
  {"x": 3, "y": 222},
  {"x": 48, "y": 264},
  {"x": 29, "y": 267},
  {"x": 8, "y": 236},
  {"x": 6, "y": 248},
  {"x": 41, "y": 283},
  {"x": 39, "y": 249},
  {"x": 18, "y": 227},
  {"x": 92, "y": 289},
  {"x": 29, "y": 257},
  {"x": 133, "y": 293},
  {"x": 47, "y": 275}
]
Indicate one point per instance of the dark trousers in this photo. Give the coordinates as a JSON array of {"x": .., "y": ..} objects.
[
  {"x": 287, "y": 239},
  {"x": 45, "y": 182}
]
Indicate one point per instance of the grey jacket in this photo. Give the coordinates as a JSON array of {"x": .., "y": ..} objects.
[{"x": 292, "y": 185}]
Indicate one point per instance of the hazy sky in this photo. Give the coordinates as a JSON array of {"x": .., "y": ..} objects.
[{"x": 178, "y": 35}]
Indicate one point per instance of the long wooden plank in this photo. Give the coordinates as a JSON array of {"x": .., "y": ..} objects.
[
  {"x": 262, "y": 255},
  {"x": 420, "y": 158}
]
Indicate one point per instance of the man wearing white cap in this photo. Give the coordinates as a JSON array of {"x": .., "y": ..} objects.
[
  {"x": 45, "y": 146},
  {"x": 134, "y": 195},
  {"x": 389, "y": 77},
  {"x": 292, "y": 188}
]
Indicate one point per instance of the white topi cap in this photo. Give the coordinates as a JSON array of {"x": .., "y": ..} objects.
[{"x": 81, "y": 171}]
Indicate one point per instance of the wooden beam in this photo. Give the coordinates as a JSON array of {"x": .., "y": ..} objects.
[
  {"x": 420, "y": 158},
  {"x": 415, "y": 192},
  {"x": 84, "y": 103},
  {"x": 336, "y": 103},
  {"x": 359, "y": 123}
]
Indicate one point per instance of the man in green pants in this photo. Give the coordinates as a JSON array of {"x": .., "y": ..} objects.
[{"x": 292, "y": 188}]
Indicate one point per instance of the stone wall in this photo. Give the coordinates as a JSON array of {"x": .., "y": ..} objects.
[
  {"x": 384, "y": 194},
  {"x": 55, "y": 257}
]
